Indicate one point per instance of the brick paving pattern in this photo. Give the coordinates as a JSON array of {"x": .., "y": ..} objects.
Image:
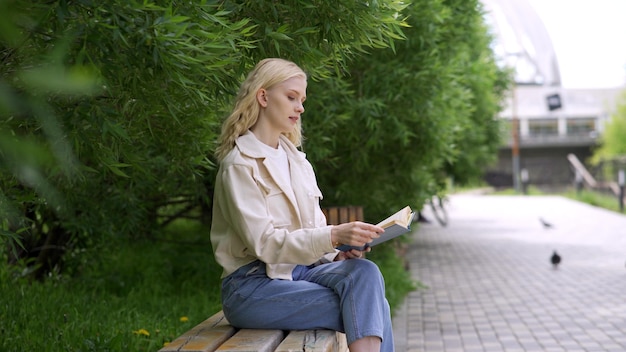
[{"x": 490, "y": 285}]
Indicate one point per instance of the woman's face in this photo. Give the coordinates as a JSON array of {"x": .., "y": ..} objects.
[{"x": 282, "y": 104}]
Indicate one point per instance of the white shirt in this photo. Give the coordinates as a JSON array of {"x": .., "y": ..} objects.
[{"x": 279, "y": 157}]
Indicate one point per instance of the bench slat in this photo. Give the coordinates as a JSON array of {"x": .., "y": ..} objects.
[
  {"x": 313, "y": 341},
  {"x": 246, "y": 340},
  {"x": 216, "y": 334},
  {"x": 340, "y": 215},
  {"x": 204, "y": 337}
]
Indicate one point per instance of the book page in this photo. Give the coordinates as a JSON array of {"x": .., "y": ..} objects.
[{"x": 402, "y": 217}]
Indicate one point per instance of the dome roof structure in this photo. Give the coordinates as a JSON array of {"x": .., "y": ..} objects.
[{"x": 521, "y": 41}]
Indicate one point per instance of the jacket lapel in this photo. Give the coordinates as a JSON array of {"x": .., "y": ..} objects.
[{"x": 249, "y": 145}]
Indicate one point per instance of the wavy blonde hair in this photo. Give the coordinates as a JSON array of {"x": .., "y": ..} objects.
[{"x": 266, "y": 74}]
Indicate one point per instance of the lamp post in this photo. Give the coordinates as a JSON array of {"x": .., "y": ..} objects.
[
  {"x": 620, "y": 182},
  {"x": 515, "y": 141}
]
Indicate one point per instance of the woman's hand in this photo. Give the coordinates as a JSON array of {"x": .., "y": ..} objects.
[
  {"x": 355, "y": 233},
  {"x": 351, "y": 254}
]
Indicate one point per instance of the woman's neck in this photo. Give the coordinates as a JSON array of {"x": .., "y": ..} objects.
[{"x": 267, "y": 137}]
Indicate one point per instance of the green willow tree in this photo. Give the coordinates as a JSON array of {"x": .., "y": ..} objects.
[
  {"x": 405, "y": 120},
  {"x": 135, "y": 143},
  {"x": 109, "y": 110},
  {"x": 477, "y": 137}
]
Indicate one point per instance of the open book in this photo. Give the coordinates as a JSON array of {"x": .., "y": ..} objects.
[{"x": 395, "y": 225}]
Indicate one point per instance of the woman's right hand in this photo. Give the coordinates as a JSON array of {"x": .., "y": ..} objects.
[{"x": 355, "y": 233}]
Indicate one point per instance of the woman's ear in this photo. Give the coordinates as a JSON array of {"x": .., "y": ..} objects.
[{"x": 261, "y": 97}]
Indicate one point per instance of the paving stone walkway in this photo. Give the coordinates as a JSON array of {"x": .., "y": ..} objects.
[{"x": 490, "y": 285}]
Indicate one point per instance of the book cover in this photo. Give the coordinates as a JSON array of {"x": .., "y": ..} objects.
[{"x": 395, "y": 225}]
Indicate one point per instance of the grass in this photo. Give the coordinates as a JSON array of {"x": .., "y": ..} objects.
[
  {"x": 598, "y": 199},
  {"x": 530, "y": 191},
  {"x": 131, "y": 296}
]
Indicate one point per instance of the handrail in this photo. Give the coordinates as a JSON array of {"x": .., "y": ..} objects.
[{"x": 580, "y": 168}]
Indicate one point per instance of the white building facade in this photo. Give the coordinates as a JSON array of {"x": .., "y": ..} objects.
[{"x": 550, "y": 120}]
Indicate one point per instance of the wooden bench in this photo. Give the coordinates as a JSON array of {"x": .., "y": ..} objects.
[
  {"x": 216, "y": 334},
  {"x": 340, "y": 215}
]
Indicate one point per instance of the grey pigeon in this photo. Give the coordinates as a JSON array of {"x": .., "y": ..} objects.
[
  {"x": 545, "y": 224},
  {"x": 555, "y": 259}
]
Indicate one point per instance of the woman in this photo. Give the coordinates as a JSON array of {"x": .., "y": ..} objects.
[{"x": 281, "y": 268}]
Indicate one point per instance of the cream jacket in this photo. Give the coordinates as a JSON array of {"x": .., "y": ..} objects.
[{"x": 253, "y": 218}]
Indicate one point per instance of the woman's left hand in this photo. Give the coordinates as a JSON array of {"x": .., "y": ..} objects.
[{"x": 352, "y": 254}]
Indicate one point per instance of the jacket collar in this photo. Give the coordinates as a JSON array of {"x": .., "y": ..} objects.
[{"x": 249, "y": 145}]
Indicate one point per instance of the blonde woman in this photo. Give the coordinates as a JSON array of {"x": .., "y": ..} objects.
[{"x": 280, "y": 266}]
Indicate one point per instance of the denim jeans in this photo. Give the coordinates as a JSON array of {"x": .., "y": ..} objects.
[{"x": 346, "y": 296}]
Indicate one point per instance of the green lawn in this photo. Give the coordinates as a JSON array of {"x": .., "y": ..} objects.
[
  {"x": 133, "y": 298},
  {"x": 602, "y": 200}
]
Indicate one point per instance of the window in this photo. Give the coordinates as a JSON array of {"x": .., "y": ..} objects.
[
  {"x": 543, "y": 127},
  {"x": 581, "y": 127}
]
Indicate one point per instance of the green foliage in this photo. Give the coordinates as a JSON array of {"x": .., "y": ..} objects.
[
  {"x": 136, "y": 289},
  {"x": 531, "y": 191},
  {"x": 109, "y": 111},
  {"x": 136, "y": 297},
  {"x": 612, "y": 141},
  {"x": 82, "y": 168},
  {"x": 397, "y": 281},
  {"x": 321, "y": 36},
  {"x": 405, "y": 120},
  {"x": 602, "y": 200},
  {"x": 478, "y": 137}
]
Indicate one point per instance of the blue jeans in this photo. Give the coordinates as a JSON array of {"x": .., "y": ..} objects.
[{"x": 346, "y": 296}]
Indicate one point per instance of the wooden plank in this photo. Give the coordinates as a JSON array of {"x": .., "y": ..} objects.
[
  {"x": 339, "y": 215},
  {"x": 248, "y": 340},
  {"x": 314, "y": 341},
  {"x": 356, "y": 213},
  {"x": 204, "y": 337},
  {"x": 341, "y": 337},
  {"x": 332, "y": 215},
  {"x": 343, "y": 215}
]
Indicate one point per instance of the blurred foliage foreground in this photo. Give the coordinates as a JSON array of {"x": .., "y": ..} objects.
[{"x": 108, "y": 115}]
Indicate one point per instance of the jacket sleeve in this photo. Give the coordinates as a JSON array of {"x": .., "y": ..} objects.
[{"x": 246, "y": 209}]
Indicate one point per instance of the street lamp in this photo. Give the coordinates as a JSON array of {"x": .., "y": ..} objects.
[{"x": 515, "y": 142}]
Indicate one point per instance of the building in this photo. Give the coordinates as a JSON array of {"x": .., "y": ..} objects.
[{"x": 544, "y": 122}]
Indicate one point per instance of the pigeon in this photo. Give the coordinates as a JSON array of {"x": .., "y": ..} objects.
[
  {"x": 545, "y": 224},
  {"x": 555, "y": 259}
]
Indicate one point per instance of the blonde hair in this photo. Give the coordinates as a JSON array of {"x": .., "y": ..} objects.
[{"x": 266, "y": 74}]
